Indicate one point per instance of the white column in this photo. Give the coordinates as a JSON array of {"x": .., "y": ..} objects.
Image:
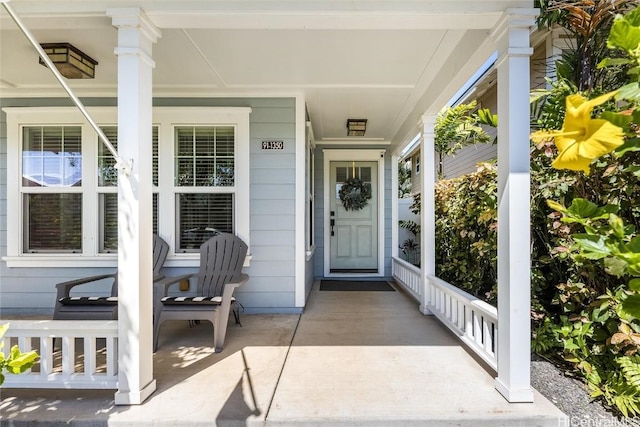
[
  {"x": 511, "y": 35},
  {"x": 428, "y": 211},
  {"x": 136, "y": 35},
  {"x": 394, "y": 205}
]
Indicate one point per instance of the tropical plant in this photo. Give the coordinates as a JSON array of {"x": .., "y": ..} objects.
[
  {"x": 585, "y": 21},
  {"x": 404, "y": 179},
  {"x": 455, "y": 128},
  {"x": 466, "y": 231},
  {"x": 599, "y": 330}
]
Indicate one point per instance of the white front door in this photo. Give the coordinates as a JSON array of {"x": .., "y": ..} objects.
[{"x": 353, "y": 234}]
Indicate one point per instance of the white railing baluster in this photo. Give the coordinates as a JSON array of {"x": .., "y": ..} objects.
[
  {"x": 488, "y": 340},
  {"x": 408, "y": 276},
  {"x": 112, "y": 357},
  {"x": 46, "y": 354},
  {"x": 90, "y": 350},
  {"x": 68, "y": 355},
  {"x": 468, "y": 325},
  {"x": 24, "y": 344},
  {"x": 454, "y": 312},
  {"x": 477, "y": 328},
  {"x": 474, "y": 321}
]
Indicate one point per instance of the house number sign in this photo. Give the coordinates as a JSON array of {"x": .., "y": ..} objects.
[{"x": 273, "y": 145}]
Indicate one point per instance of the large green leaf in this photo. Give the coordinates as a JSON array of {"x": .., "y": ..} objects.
[
  {"x": 631, "y": 306},
  {"x": 615, "y": 266},
  {"x": 632, "y": 17},
  {"x": 20, "y": 362},
  {"x": 630, "y": 92},
  {"x": 633, "y": 261},
  {"x": 624, "y": 35},
  {"x": 631, "y": 144},
  {"x": 582, "y": 208},
  {"x": 634, "y": 244},
  {"x": 618, "y": 119},
  {"x": 617, "y": 225},
  {"x": 613, "y": 62},
  {"x": 634, "y": 284},
  {"x": 595, "y": 246}
]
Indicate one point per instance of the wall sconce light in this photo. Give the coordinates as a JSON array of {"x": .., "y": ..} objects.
[
  {"x": 356, "y": 127},
  {"x": 70, "y": 61}
]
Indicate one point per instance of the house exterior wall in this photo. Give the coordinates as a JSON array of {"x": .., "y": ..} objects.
[{"x": 272, "y": 212}]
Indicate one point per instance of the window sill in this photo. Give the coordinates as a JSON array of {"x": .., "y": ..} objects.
[
  {"x": 52, "y": 261},
  {"x": 71, "y": 261}
]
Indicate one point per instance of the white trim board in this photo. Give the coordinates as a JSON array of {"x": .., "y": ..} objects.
[{"x": 369, "y": 155}]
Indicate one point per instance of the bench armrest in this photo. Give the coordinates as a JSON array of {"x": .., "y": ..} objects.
[{"x": 64, "y": 288}]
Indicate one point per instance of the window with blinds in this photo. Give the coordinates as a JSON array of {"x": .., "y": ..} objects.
[
  {"x": 107, "y": 173},
  {"x": 108, "y": 201},
  {"x": 52, "y": 223},
  {"x": 109, "y": 221},
  {"x": 204, "y": 157},
  {"x": 51, "y": 174},
  {"x": 64, "y": 202},
  {"x": 52, "y": 156},
  {"x": 200, "y": 216}
]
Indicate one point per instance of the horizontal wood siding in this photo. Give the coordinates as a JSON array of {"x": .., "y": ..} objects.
[
  {"x": 466, "y": 160},
  {"x": 272, "y": 212}
]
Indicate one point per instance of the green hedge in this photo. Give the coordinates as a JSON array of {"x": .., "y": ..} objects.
[{"x": 466, "y": 232}]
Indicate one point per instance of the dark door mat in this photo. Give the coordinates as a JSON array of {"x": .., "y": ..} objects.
[{"x": 349, "y": 285}]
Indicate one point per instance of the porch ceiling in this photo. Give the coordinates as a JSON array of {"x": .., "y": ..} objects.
[{"x": 386, "y": 61}]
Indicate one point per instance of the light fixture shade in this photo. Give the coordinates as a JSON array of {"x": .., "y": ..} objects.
[
  {"x": 356, "y": 127},
  {"x": 70, "y": 61}
]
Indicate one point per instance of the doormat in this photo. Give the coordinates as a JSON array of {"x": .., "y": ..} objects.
[{"x": 349, "y": 285}]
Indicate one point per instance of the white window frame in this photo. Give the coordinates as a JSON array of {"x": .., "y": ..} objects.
[{"x": 166, "y": 118}]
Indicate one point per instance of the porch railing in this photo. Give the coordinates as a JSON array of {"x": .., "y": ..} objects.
[
  {"x": 408, "y": 276},
  {"x": 474, "y": 321},
  {"x": 75, "y": 355}
]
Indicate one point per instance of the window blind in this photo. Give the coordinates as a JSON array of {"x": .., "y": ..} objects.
[
  {"x": 53, "y": 222},
  {"x": 200, "y": 216}
]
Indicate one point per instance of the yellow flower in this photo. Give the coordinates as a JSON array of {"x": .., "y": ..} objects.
[{"x": 582, "y": 139}]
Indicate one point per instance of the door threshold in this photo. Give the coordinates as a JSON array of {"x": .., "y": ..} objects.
[{"x": 353, "y": 270}]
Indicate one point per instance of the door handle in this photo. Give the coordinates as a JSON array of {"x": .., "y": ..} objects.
[{"x": 332, "y": 223}]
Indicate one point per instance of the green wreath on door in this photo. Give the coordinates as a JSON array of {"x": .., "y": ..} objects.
[{"x": 354, "y": 194}]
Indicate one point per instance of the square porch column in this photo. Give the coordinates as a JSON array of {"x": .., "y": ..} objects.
[
  {"x": 136, "y": 35},
  {"x": 511, "y": 35},
  {"x": 428, "y": 209}
]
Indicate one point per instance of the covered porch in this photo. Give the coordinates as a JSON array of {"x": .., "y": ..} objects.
[
  {"x": 347, "y": 346},
  {"x": 352, "y": 358}
]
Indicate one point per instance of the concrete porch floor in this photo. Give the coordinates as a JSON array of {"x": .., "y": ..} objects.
[{"x": 352, "y": 359}]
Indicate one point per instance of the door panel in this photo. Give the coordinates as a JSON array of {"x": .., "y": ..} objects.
[
  {"x": 364, "y": 239},
  {"x": 354, "y": 243}
]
